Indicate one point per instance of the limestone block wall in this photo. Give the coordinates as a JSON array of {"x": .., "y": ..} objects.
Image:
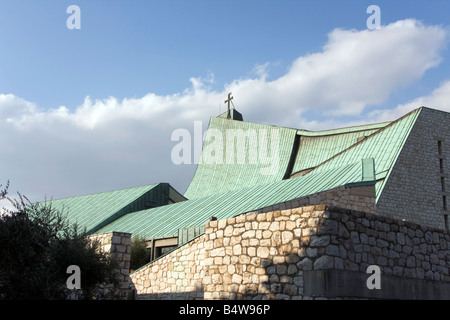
[
  {"x": 359, "y": 198},
  {"x": 269, "y": 255},
  {"x": 118, "y": 244},
  {"x": 415, "y": 190},
  {"x": 177, "y": 275}
]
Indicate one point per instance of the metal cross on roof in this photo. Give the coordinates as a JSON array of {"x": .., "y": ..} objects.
[{"x": 228, "y": 101}]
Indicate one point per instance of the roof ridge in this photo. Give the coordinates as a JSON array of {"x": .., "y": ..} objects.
[
  {"x": 366, "y": 139},
  {"x": 375, "y": 125},
  {"x": 98, "y": 193},
  {"x": 345, "y": 130}
]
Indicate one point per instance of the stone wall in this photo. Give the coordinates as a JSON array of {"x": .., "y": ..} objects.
[
  {"x": 358, "y": 197},
  {"x": 177, "y": 275},
  {"x": 414, "y": 190},
  {"x": 118, "y": 244},
  {"x": 274, "y": 255}
]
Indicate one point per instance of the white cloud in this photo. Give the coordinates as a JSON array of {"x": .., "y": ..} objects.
[
  {"x": 438, "y": 99},
  {"x": 13, "y": 107},
  {"x": 354, "y": 70},
  {"x": 108, "y": 144}
]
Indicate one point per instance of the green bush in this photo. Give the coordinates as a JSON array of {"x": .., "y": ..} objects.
[
  {"x": 37, "y": 244},
  {"x": 139, "y": 252}
]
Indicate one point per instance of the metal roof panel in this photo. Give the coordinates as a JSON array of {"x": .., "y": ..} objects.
[
  {"x": 212, "y": 178},
  {"x": 94, "y": 211},
  {"x": 384, "y": 146},
  {"x": 167, "y": 220}
]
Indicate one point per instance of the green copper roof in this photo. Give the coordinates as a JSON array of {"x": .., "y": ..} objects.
[
  {"x": 243, "y": 168},
  {"x": 316, "y": 147},
  {"x": 96, "y": 210},
  {"x": 230, "y": 163},
  {"x": 365, "y": 127},
  {"x": 384, "y": 146},
  {"x": 297, "y": 150},
  {"x": 167, "y": 220},
  {"x": 225, "y": 190}
]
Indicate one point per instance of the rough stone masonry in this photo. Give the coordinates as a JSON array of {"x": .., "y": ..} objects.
[
  {"x": 309, "y": 252},
  {"x": 118, "y": 244}
]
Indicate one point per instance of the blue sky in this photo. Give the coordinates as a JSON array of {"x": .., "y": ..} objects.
[
  {"x": 128, "y": 49},
  {"x": 92, "y": 110}
]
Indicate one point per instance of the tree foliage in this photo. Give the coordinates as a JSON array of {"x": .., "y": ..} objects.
[
  {"x": 37, "y": 245},
  {"x": 139, "y": 252}
]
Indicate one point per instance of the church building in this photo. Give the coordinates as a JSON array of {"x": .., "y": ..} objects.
[{"x": 329, "y": 203}]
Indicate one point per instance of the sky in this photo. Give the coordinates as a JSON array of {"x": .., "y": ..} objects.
[{"x": 90, "y": 98}]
